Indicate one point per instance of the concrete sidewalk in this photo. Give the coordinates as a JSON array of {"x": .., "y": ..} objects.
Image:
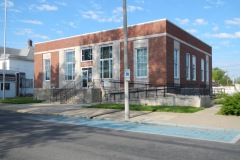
[{"x": 206, "y": 118}]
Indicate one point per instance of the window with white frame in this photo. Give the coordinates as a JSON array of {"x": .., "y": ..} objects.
[
  {"x": 106, "y": 66},
  {"x": 69, "y": 65},
  {"x": 188, "y": 66},
  {"x": 47, "y": 69},
  {"x": 202, "y": 70},
  {"x": 87, "y": 54},
  {"x": 193, "y": 67},
  {"x": 207, "y": 71},
  {"x": 141, "y": 62},
  {"x": 176, "y": 63}
]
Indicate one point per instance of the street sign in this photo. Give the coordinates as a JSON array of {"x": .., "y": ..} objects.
[{"x": 127, "y": 74}]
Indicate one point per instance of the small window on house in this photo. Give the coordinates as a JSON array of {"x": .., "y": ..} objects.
[
  {"x": 194, "y": 68},
  {"x": 7, "y": 86},
  {"x": 87, "y": 54},
  {"x": 70, "y": 65},
  {"x": 202, "y": 69},
  {"x": 47, "y": 69},
  {"x": 188, "y": 66},
  {"x": 176, "y": 63},
  {"x": 141, "y": 62}
]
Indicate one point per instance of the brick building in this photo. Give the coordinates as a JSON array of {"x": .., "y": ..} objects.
[{"x": 159, "y": 52}]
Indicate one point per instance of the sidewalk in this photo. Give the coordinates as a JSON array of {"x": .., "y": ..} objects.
[{"x": 205, "y": 119}]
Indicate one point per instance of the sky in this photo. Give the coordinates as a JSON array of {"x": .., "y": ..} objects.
[{"x": 215, "y": 22}]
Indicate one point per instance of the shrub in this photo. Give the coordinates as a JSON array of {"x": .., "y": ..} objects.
[{"x": 231, "y": 105}]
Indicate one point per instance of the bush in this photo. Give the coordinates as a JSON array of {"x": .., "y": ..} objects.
[{"x": 231, "y": 105}]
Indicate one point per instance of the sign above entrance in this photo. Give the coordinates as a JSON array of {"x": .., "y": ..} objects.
[{"x": 127, "y": 74}]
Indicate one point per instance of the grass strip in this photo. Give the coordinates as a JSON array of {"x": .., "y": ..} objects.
[
  {"x": 20, "y": 100},
  {"x": 176, "y": 109}
]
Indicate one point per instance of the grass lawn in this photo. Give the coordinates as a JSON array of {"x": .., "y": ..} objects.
[
  {"x": 177, "y": 109},
  {"x": 20, "y": 100}
]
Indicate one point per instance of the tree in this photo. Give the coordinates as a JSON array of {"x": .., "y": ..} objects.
[{"x": 220, "y": 76}]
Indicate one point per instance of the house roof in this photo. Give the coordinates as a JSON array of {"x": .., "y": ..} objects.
[{"x": 25, "y": 54}]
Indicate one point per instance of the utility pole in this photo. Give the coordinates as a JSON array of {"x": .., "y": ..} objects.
[
  {"x": 126, "y": 84},
  {"x": 4, "y": 48}
]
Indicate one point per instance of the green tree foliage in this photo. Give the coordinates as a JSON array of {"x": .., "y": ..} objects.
[{"x": 220, "y": 76}]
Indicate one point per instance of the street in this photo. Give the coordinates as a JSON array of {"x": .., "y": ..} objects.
[{"x": 25, "y": 139}]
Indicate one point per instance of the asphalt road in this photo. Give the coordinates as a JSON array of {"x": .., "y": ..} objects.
[{"x": 24, "y": 139}]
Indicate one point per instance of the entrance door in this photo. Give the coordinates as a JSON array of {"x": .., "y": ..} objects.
[{"x": 86, "y": 76}]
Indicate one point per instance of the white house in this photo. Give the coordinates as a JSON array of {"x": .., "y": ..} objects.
[{"x": 18, "y": 63}]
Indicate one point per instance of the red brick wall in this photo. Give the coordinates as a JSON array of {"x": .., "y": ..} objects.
[
  {"x": 55, "y": 68},
  {"x": 38, "y": 70},
  {"x": 116, "y": 34},
  {"x": 157, "y": 60},
  {"x": 170, "y": 61},
  {"x": 185, "y": 36}
]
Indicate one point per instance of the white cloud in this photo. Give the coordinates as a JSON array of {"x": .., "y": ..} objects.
[
  {"x": 29, "y": 33},
  {"x": 192, "y": 31},
  {"x": 200, "y": 21},
  {"x": 59, "y": 32},
  {"x": 235, "y": 21},
  {"x": 139, "y": 1},
  {"x": 47, "y": 7},
  {"x": 216, "y": 3},
  {"x": 223, "y": 35},
  {"x": 73, "y": 24},
  {"x": 44, "y": 7},
  {"x": 32, "y": 22},
  {"x": 182, "y": 21},
  {"x": 61, "y": 3},
  {"x": 115, "y": 17},
  {"x": 9, "y": 4},
  {"x": 98, "y": 16},
  {"x": 133, "y": 8}
]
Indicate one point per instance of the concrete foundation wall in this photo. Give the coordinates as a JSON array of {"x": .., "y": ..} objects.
[{"x": 169, "y": 100}]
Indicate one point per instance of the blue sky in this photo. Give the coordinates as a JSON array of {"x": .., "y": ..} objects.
[{"x": 216, "y": 22}]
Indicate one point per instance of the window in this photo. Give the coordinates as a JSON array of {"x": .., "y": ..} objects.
[
  {"x": 7, "y": 86},
  {"x": 202, "y": 70},
  {"x": 176, "y": 63},
  {"x": 70, "y": 65},
  {"x": 141, "y": 62},
  {"x": 207, "y": 71},
  {"x": 106, "y": 62},
  {"x": 47, "y": 69},
  {"x": 188, "y": 66},
  {"x": 194, "y": 68},
  {"x": 87, "y": 54}
]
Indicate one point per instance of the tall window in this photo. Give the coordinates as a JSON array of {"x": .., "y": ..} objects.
[
  {"x": 141, "y": 62},
  {"x": 194, "y": 68},
  {"x": 188, "y": 66},
  {"x": 47, "y": 69},
  {"x": 86, "y": 54},
  {"x": 202, "y": 70},
  {"x": 106, "y": 62},
  {"x": 70, "y": 65},
  {"x": 176, "y": 63},
  {"x": 207, "y": 71}
]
